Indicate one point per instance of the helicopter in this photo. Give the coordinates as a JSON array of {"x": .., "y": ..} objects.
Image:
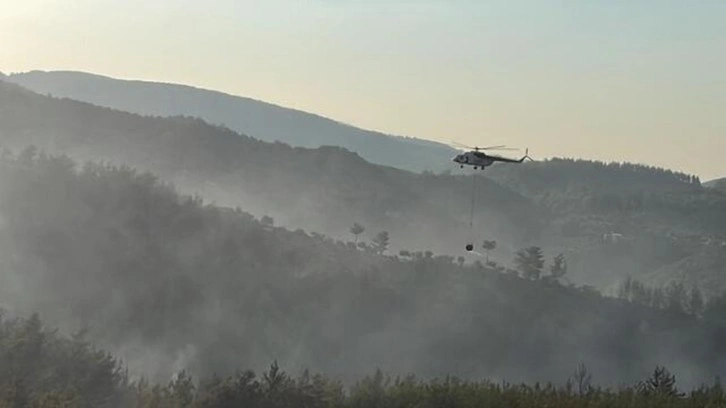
[{"x": 478, "y": 159}]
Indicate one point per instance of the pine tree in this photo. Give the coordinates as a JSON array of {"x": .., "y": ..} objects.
[
  {"x": 695, "y": 302},
  {"x": 267, "y": 221},
  {"x": 530, "y": 262},
  {"x": 662, "y": 383},
  {"x": 675, "y": 297},
  {"x": 356, "y": 230},
  {"x": 558, "y": 269},
  {"x": 380, "y": 242},
  {"x": 489, "y": 246}
]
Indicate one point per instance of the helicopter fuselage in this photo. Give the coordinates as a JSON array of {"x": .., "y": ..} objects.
[{"x": 475, "y": 159}]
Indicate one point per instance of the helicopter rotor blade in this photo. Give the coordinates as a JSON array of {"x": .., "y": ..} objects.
[
  {"x": 491, "y": 147},
  {"x": 499, "y": 147},
  {"x": 460, "y": 145}
]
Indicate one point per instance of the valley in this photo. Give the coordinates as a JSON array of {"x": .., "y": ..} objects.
[
  {"x": 566, "y": 206},
  {"x": 362, "y": 204}
]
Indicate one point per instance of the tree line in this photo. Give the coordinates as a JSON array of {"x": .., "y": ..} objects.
[
  {"x": 674, "y": 297},
  {"x": 529, "y": 262},
  {"x": 41, "y": 368}
]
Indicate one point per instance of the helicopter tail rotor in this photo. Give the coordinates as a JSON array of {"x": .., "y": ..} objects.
[{"x": 526, "y": 156}]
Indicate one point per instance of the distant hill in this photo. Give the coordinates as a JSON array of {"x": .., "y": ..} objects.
[
  {"x": 324, "y": 189},
  {"x": 560, "y": 174},
  {"x": 259, "y": 119},
  {"x": 718, "y": 184},
  {"x": 562, "y": 205},
  {"x": 620, "y": 219},
  {"x": 619, "y": 191},
  {"x": 704, "y": 269}
]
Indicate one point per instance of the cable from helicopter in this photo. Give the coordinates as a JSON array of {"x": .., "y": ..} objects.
[
  {"x": 478, "y": 159},
  {"x": 470, "y": 245}
]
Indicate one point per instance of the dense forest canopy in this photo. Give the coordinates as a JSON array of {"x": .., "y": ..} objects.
[
  {"x": 619, "y": 219},
  {"x": 618, "y": 190},
  {"x": 43, "y": 368},
  {"x": 557, "y": 174},
  {"x": 169, "y": 282}
]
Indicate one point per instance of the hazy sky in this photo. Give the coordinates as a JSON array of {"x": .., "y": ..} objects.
[{"x": 633, "y": 80}]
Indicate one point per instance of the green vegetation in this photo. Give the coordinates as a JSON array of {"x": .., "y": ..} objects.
[
  {"x": 670, "y": 224},
  {"x": 618, "y": 194},
  {"x": 45, "y": 369},
  {"x": 675, "y": 297},
  {"x": 614, "y": 220},
  {"x": 165, "y": 279},
  {"x": 40, "y": 368}
]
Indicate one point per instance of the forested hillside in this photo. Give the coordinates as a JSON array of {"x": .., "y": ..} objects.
[
  {"x": 324, "y": 190},
  {"x": 46, "y": 369},
  {"x": 619, "y": 219},
  {"x": 611, "y": 220},
  {"x": 167, "y": 282},
  {"x": 718, "y": 184},
  {"x": 256, "y": 118},
  {"x": 620, "y": 192}
]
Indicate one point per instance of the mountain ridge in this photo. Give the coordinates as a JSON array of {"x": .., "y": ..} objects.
[
  {"x": 569, "y": 206},
  {"x": 718, "y": 184},
  {"x": 323, "y": 189},
  {"x": 264, "y": 120}
]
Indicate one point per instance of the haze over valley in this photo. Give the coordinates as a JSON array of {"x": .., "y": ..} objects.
[
  {"x": 561, "y": 205},
  {"x": 167, "y": 244},
  {"x": 141, "y": 244}
]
